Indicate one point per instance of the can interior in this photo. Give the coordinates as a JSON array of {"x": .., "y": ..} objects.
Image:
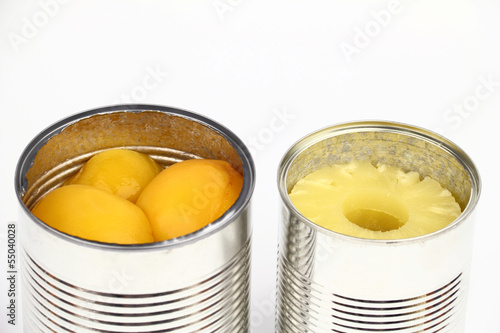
[
  {"x": 166, "y": 137},
  {"x": 406, "y": 147}
]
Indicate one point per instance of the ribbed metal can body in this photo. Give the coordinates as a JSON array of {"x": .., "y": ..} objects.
[
  {"x": 329, "y": 282},
  {"x": 194, "y": 283}
]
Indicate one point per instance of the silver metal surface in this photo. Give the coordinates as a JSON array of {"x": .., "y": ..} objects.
[
  {"x": 194, "y": 283},
  {"x": 329, "y": 282}
]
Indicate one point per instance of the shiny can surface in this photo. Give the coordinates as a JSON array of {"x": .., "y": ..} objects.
[
  {"x": 195, "y": 283},
  {"x": 329, "y": 282}
]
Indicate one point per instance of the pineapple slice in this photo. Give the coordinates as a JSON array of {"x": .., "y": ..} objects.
[{"x": 383, "y": 202}]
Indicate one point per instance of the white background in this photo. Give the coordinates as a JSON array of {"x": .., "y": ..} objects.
[{"x": 271, "y": 71}]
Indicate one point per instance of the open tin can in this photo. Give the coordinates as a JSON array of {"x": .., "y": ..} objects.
[
  {"x": 194, "y": 283},
  {"x": 330, "y": 282}
]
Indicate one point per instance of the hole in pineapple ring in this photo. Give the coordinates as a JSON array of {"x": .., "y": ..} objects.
[{"x": 375, "y": 210}]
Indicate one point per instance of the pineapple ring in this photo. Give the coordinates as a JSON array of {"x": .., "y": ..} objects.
[{"x": 382, "y": 202}]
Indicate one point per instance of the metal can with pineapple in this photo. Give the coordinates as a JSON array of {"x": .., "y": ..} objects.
[
  {"x": 332, "y": 282},
  {"x": 194, "y": 283}
]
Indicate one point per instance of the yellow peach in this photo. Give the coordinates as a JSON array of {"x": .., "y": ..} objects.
[
  {"x": 189, "y": 195},
  {"x": 94, "y": 214},
  {"x": 122, "y": 172}
]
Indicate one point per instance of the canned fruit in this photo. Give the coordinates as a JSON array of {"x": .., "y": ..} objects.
[
  {"x": 94, "y": 214},
  {"x": 376, "y": 202},
  {"x": 159, "y": 205},
  {"x": 189, "y": 195},
  {"x": 120, "y": 171}
]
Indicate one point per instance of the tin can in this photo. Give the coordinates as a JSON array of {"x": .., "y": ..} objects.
[
  {"x": 329, "y": 282},
  {"x": 194, "y": 283}
]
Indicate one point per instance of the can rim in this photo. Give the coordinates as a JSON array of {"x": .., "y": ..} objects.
[
  {"x": 380, "y": 126},
  {"x": 240, "y": 204}
]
